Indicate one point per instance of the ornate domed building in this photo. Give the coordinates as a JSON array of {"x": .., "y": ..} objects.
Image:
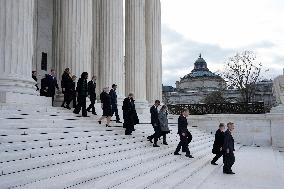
[
  {"x": 201, "y": 82},
  {"x": 200, "y": 79}
]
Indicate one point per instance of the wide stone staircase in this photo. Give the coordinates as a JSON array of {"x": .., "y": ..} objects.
[{"x": 54, "y": 148}]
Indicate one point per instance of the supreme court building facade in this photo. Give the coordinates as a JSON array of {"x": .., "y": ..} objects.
[{"x": 119, "y": 41}]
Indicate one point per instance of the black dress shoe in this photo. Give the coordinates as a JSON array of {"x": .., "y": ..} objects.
[
  {"x": 165, "y": 143},
  {"x": 68, "y": 107},
  {"x": 213, "y": 163},
  {"x": 156, "y": 145},
  {"x": 150, "y": 139},
  {"x": 100, "y": 122},
  {"x": 229, "y": 172},
  {"x": 118, "y": 122},
  {"x": 94, "y": 113},
  {"x": 189, "y": 156},
  {"x": 177, "y": 154}
]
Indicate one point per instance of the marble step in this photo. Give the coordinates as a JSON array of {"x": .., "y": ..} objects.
[
  {"x": 108, "y": 173},
  {"x": 38, "y": 162},
  {"x": 97, "y": 144},
  {"x": 108, "y": 156},
  {"x": 37, "y": 148}
]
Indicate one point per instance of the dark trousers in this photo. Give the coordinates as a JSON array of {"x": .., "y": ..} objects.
[
  {"x": 74, "y": 99},
  {"x": 92, "y": 106},
  {"x": 164, "y": 138},
  {"x": 217, "y": 156},
  {"x": 189, "y": 138},
  {"x": 67, "y": 99},
  {"x": 156, "y": 135},
  {"x": 52, "y": 98},
  {"x": 81, "y": 104},
  {"x": 128, "y": 128},
  {"x": 184, "y": 144},
  {"x": 228, "y": 160},
  {"x": 115, "y": 111}
]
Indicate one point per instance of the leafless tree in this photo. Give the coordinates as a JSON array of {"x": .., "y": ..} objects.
[
  {"x": 243, "y": 72},
  {"x": 214, "y": 97}
]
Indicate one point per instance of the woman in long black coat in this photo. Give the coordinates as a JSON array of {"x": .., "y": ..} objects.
[
  {"x": 129, "y": 114},
  {"x": 106, "y": 106},
  {"x": 218, "y": 143}
]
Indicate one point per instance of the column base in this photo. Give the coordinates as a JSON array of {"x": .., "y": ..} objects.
[
  {"x": 142, "y": 106},
  {"x": 23, "y": 99}
]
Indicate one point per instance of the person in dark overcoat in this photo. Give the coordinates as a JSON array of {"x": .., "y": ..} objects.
[
  {"x": 34, "y": 76},
  {"x": 155, "y": 123},
  {"x": 228, "y": 150},
  {"x": 66, "y": 84},
  {"x": 114, "y": 108},
  {"x": 218, "y": 144},
  {"x": 106, "y": 106},
  {"x": 82, "y": 93},
  {"x": 163, "y": 123},
  {"x": 51, "y": 85},
  {"x": 44, "y": 86},
  {"x": 92, "y": 94},
  {"x": 129, "y": 114},
  {"x": 71, "y": 92},
  {"x": 183, "y": 134}
]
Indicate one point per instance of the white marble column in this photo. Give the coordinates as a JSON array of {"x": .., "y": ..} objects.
[
  {"x": 16, "y": 46},
  {"x": 111, "y": 44},
  {"x": 135, "y": 49},
  {"x": 153, "y": 50},
  {"x": 96, "y": 42},
  {"x": 73, "y": 36}
]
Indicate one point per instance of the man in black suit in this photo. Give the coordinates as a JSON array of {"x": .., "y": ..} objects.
[
  {"x": 155, "y": 123},
  {"x": 218, "y": 144},
  {"x": 228, "y": 149},
  {"x": 114, "y": 108},
  {"x": 82, "y": 91},
  {"x": 183, "y": 134},
  {"x": 34, "y": 76},
  {"x": 44, "y": 86},
  {"x": 92, "y": 93},
  {"x": 51, "y": 84},
  {"x": 66, "y": 84}
]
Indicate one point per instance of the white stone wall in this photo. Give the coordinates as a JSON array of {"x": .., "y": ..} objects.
[{"x": 250, "y": 129}]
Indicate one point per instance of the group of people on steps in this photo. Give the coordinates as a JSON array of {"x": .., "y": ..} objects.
[{"x": 223, "y": 143}]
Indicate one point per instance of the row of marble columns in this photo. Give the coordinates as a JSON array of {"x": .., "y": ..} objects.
[
  {"x": 88, "y": 35},
  {"x": 16, "y": 46}
]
